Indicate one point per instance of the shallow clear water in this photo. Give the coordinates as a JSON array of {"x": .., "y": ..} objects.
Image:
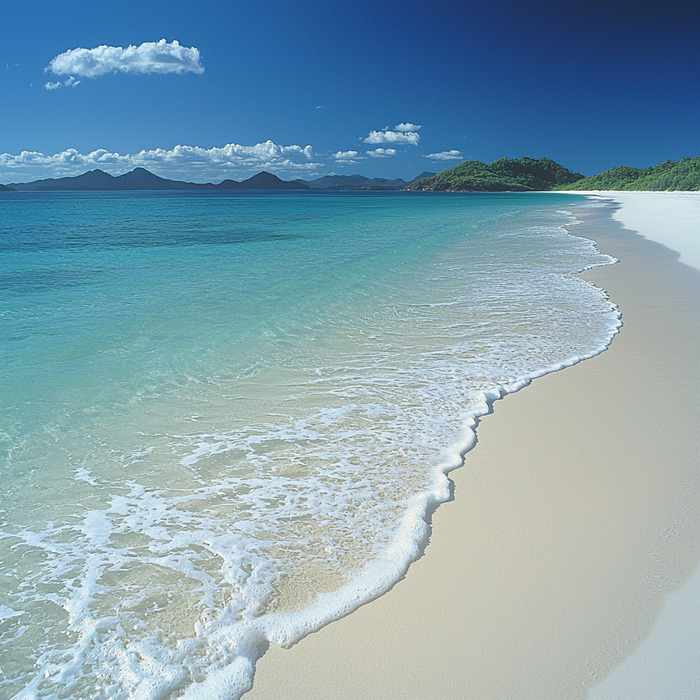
[{"x": 222, "y": 416}]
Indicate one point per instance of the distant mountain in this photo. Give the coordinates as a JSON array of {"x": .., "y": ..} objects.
[
  {"x": 359, "y": 182},
  {"x": 424, "y": 175},
  {"x": 503, "y": 175},
  {"x": 142, "y": 179},
  {"x": 137, "y": 179},
  {"x": 224, "y": 185},
  {"x": 336, "y": 182},
  {"x": 682, "y": 175},
  {"x": 268, "y": 181}
]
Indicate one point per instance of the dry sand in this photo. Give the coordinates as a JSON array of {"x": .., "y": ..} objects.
[
  {"x": 666, "y": 665},
  {"x": 573, "y": 517}
]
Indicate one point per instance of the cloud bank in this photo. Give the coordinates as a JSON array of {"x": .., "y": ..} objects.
[
  {"x": 149, "y": 57},
  {"x": 454, "y": 154},
  {"x": 191, "y": 163},
  {"x": 198, "y": 164}
]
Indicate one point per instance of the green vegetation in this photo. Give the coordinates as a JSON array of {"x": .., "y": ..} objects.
[
  {"x": 504, "y": 175},
  {"x": 667, "y": 176}
]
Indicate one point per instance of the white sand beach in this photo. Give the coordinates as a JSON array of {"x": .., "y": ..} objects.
[
  {"x": 667, "y": 662},
  {"x": 551, "y": 575}
]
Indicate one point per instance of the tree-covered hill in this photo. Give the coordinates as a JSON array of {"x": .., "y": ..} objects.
[
  {"x": 503, "y": 175},
  {"x": 669, "y": 175}
]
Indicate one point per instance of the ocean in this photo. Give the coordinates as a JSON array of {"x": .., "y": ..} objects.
[{"x": 224, "y": 416}]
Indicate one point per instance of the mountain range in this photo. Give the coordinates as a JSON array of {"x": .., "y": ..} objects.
[
  {"x": 503, "y": 175},
  {"x": 142, "y": 179}
]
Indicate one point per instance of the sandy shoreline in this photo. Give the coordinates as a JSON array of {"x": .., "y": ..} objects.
[{"x": 574, "y": 517}]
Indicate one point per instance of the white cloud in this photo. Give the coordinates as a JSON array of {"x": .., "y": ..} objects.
[
  {"x": 347, "y": 156},
  {"x": 149, "y": 57},
  {"x": 191, "y": 163},
  {"x": 71, "y": 82},
  {"x": 407, "y": 126},
  {"x": 382, "y": 152},
  {"x": 396, "y": 137},
  {"x": 454, "y": 154}
]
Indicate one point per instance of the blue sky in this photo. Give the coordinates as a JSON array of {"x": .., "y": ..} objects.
[{"x": 299, "y": 87}]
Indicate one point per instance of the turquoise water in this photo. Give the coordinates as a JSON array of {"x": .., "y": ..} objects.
[{"x": 222, "y": 416}]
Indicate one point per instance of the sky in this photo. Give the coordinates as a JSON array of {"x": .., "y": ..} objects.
[{"x": 208, "y": 90}]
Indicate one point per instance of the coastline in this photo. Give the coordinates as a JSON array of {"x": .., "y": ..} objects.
[{"x": 572, "y": 520}]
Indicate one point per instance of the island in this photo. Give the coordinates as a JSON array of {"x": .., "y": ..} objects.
[{"x": 503, "y": 175}]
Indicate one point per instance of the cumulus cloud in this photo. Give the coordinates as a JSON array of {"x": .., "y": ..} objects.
[
  {"x": 407, "y": 126},
  {"x": 346, "y": 156},
  {"x": 149, "y": 57},
  {"x": 382, "y": 152},
  {"x": 182, "y": 162},
  {"x": 394, "y": 137},
  {"x": 454, "y": 154}
]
